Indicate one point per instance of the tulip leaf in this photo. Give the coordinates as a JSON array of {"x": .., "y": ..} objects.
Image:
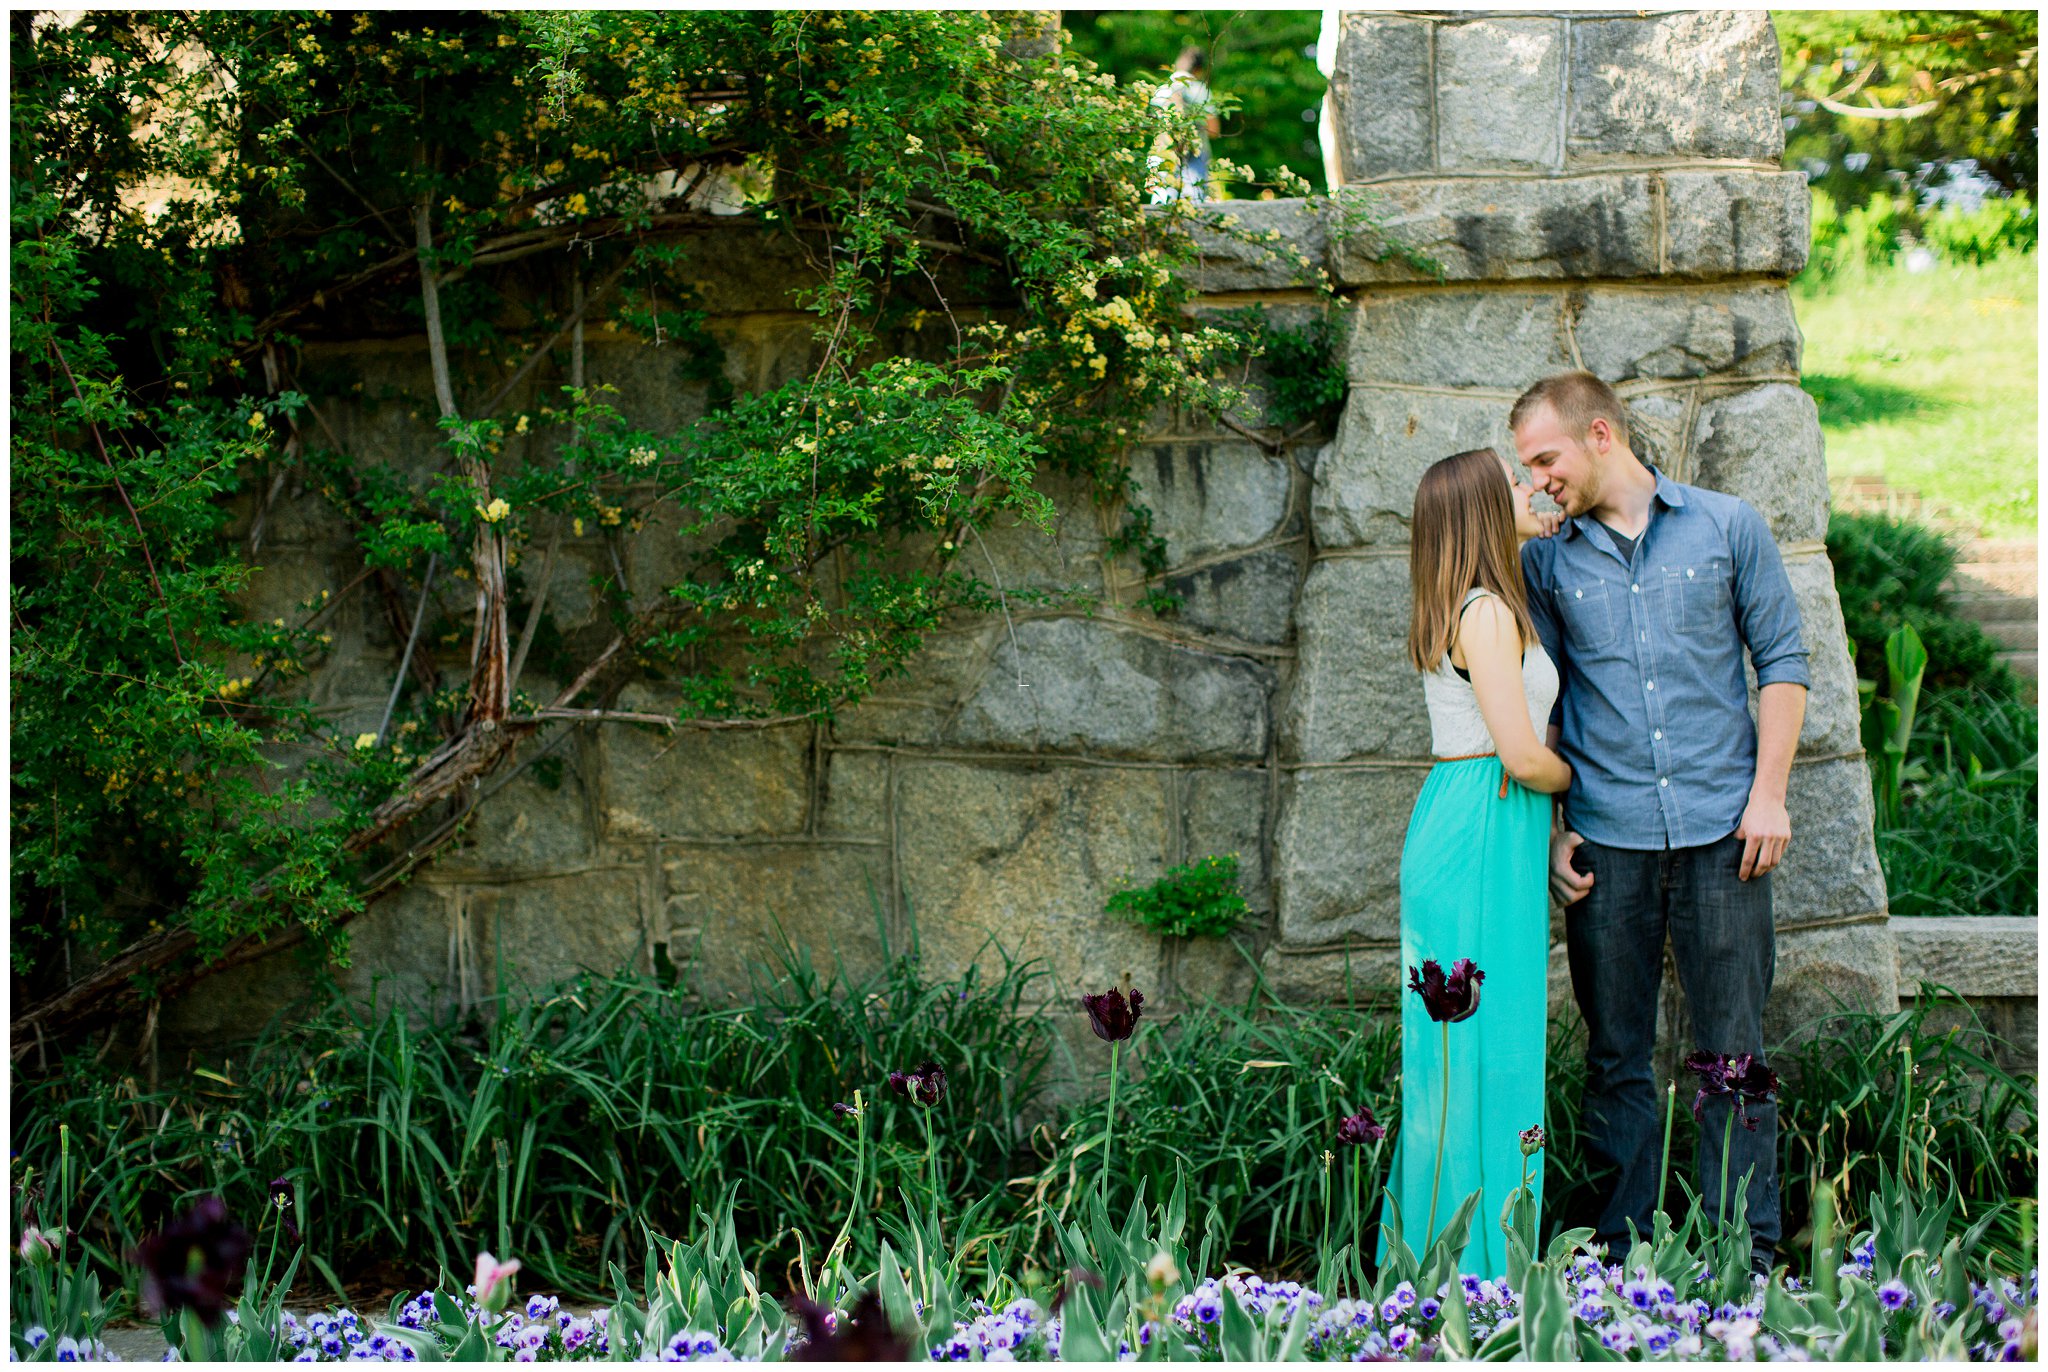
[
  {"x": 1955, "y": 1283},
  {"x": 1240, "y": 1336},
  {"x": 1548, "y": 1318},
  {"x": 1173, "y": 1220},
  {"x": 1081, "y": 1335},
  {"x": 1564, "y": 1245},
  {"x": 1952, "y": 1348},
  {"x": 1456, "y": 1331},
  {"x": 1503, "y": 1344},
  {"x": 1451, "y": 1241},
  {"x": 1400, "y": 1263},
  {"x": 896, "y": 1303},
  {"x": 425, "y": 1347},
  {"x": 1592, "y": 1350},
  {"x": 1860, "y": 1341},
  {"x": 1296, "y": 1336}
]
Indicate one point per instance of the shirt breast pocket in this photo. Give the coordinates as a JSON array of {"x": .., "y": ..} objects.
[
  {"x": 1697, "y": 596},
  {"x": 1588, "y": 617}
]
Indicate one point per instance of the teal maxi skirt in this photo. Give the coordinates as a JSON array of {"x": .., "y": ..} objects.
[{"x": 1474, "y": 884}]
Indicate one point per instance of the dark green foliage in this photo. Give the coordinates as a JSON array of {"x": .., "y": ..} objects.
[
  {"x": 565, "y": 1122},
  {"x": 559, "y": 1127},
  {"x": 1849, "y": 1108},
  {"x": 1302, "y": 369},
  {"x": 1967, "y": 839},
  {"x": 1891, "y": 572},
  {"x": 1964, "y": 840},
  {"x": 1842, "y": 1112},
  {"x": 1199, "y": 899}
]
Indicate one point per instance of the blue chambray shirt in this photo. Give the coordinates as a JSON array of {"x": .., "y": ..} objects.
[{"x": 1653, "y": 706}]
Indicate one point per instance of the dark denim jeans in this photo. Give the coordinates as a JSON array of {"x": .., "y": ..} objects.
[{"x": 1723, "y": 942}]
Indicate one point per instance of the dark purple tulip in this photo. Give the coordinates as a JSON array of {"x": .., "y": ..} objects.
[
  {"x": 1744, "y": 1077},
  {"x": 1533, "y": 1139},
  {"x": 926, "y": 1086},
  {"x": 1360, "y": 1129},
  {"x": 1112, "y": 1017},
  {"x": 1448, "y": 999},
  {"x": 191, "y": 1262},
  {"x": 863, "y": 1336}
]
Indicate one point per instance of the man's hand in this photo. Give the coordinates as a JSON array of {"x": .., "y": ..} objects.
[
  {"x": 1765, "y": 830},
  {"x": 1568, "y": 885}
]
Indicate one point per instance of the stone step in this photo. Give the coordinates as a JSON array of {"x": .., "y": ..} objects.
[
  {"x": 2005, "y": 550},
  {"x": 2005, "y": 578},
  {"x": 2026, "y": 664},
  {"x": 2011, "y": 635},
  {"x": 1991, "y": 607}
]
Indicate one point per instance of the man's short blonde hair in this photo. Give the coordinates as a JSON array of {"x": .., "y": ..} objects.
[{"x": 1577, "y": 398}]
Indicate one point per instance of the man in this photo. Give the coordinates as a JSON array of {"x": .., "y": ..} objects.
[
  {"x": 1188, "y": 90},
  {"x": 1646, "y": 598}
]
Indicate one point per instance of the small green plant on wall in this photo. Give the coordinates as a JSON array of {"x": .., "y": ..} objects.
[{"x": 1199, "y": 898}]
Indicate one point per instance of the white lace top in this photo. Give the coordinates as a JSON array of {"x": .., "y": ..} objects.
[{"x": 1456, "y": 728}]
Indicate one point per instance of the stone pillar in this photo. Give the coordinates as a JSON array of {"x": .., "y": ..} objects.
[{"x": 1602, "y": 192}]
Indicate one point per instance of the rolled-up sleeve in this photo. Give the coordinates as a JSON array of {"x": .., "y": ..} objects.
[
  {"x": 1543, "y": 612},
  {"x": 1765, "y": 609}
]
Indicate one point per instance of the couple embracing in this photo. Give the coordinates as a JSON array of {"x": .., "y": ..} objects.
[{"x": 1591, "y": 724}]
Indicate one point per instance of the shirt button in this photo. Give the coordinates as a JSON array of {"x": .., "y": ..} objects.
[
  {"x": 1635, "y": 589},
  {"x": 1663, "y": 781},
  {"x": 1658, "y": 734},
  {"x": 1649, "y": 685}
]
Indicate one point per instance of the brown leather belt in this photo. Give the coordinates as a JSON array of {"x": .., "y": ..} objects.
[{"x": 1474, "y": 757}]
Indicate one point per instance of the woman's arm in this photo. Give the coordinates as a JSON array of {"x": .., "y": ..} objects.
[{"x": 1493, "y": 655}]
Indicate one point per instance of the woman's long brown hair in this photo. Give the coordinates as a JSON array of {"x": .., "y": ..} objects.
[{"x": 1463, "y": 535}]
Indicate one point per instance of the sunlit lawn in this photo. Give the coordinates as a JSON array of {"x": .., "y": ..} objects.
[{"x": 1929, "y": 382}]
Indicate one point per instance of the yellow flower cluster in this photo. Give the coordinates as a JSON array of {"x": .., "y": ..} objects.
[{"x": 493, "y": 512}]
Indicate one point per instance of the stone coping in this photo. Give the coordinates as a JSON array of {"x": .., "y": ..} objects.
[{"x": 1973, "y": 955}]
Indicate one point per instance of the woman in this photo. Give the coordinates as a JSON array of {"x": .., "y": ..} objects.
[{"x": 1474, "y": 879}]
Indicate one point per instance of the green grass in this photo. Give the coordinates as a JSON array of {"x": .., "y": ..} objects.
[{"x": 1929, "y": 383}]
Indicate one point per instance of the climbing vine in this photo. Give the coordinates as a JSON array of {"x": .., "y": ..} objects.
[{"x": 973, "y": 225}]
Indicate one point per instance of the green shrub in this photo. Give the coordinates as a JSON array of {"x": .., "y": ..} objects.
[
  {"x": 1892, "y": 572},
  {"x": 1874, "y": 234},
  {"x": 1855, "y": 240},
  {"x": 1199, "y": 898},
  {"x": 1990, "y": 231}
]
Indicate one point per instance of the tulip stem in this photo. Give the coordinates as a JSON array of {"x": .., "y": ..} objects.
[
  {"x": 1727, "y": 1137},
  {"x": 860, "y": 1157},
  {"x": 1906, "y": 1113},
  {"x": 931, "y": 1162},
  {"x": 1109, "y": 1123},
  {"x": 1664, "y": 1166},
  {"x": 1443, "y": 1124},
  {"x": 1357, "y": 1226}
]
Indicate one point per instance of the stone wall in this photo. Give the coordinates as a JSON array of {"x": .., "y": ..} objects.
[{"x": 1601, "y": 191}]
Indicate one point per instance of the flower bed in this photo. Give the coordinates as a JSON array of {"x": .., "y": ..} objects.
[{"x": 1884, "y": 1298}]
